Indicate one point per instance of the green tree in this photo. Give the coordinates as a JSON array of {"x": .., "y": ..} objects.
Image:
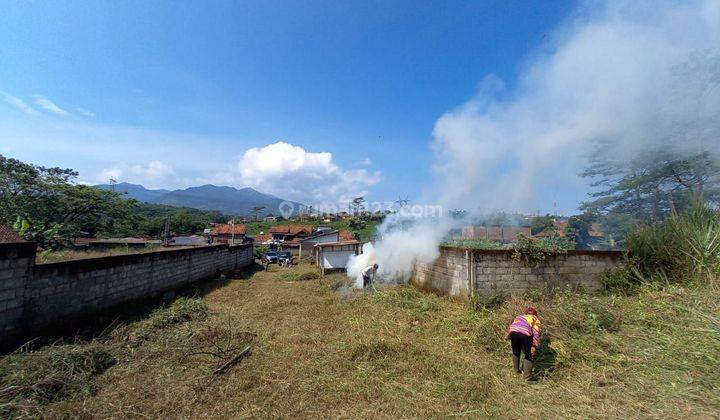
[
  {"x": 45, "y": 206},
  {"x": 540, "y": 223},
  {"x": 652, "y": 186},
  {"x": 357, "y": 205}
]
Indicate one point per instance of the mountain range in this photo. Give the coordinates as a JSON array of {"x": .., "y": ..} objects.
[{"x": 227, "y": 200}]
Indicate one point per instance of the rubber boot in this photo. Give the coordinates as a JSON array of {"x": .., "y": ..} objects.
[
  {"x": 516, "y": 364},
  {"x": 527, "y": 368}
]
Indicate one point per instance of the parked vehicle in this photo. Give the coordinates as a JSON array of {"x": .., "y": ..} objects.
[
  {"x": 271, "y": 257},
  {"x": 285, "y": 258}
]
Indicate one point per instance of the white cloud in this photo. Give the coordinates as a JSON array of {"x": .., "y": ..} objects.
[
  {"x": 291, "y": 172},
  {"x": 633, "y": 74},
  {"x": 154, "y": 170},
  {"x": 154, "y": 174},
  {"x": 49, "y": 105},
  {"x": 109, "y": 173},
  {"x": 18, "y": 103},
  {"x": 367, "y": 161}
]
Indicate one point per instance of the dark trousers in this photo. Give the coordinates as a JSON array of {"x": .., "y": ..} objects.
[
  {"x": 521, "y": 342},
  {"x": 366, "y": 281}
]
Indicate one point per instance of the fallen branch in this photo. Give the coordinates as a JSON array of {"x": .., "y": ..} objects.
[{"x": 227, "y": 365}]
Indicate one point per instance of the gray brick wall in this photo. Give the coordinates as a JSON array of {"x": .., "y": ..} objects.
[
  {"x": 16, "y": 262},
  {"x": 35, "y": 295},
  {"x": 458, "y": 271}
]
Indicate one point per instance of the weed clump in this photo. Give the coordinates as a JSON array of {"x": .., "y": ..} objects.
[
  {"x": 180, "y": 310},
  {"x": 31, "y": 379},
  {"x": 536, "y": 251}
]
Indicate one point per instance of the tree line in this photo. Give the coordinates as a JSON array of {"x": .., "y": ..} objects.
[{"x": 47, "y": 206}]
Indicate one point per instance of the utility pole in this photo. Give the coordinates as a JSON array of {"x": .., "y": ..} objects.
[
  {"x": 232, "y": 230},
  {"x": 166, "y": 232}
]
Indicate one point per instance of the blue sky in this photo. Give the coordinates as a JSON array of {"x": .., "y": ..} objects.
[{"x": 173, "y": 94}]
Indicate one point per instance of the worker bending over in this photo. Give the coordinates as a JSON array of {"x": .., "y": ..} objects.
[
  {"x": 524, "y": 335},
  {"x": 369, "y": 274}
]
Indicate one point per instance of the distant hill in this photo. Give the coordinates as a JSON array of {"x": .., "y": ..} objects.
[
  {"x": 227, "y": 200},
  {"x": 136, "y": 191}
]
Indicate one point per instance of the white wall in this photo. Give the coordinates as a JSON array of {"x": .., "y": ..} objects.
[
  {"x": 336, "y": 259},
  {"x": 306, "y": 246}
]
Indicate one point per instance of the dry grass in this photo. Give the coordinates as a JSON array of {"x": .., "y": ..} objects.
[
  {"x": 49, "y": 256},
  {"x": 403, "y": 353}
]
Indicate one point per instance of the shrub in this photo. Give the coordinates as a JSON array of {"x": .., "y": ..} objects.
[
  {"x": 536, "y": 251},
  {"x": 684, "y": 248},
  {"x": 181, "y": 310}
]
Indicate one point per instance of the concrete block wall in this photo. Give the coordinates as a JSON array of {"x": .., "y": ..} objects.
[
  {"x": 39, "y": 295},
  {"x": 16, "y": 262},
  {"x": 446, "y": 275},
  {"x": 460, "y": 272}
]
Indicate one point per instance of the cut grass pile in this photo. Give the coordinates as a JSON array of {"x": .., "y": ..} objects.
[
  {"x": 404, "y": 353},
  {"x": 29, "y": 379}
]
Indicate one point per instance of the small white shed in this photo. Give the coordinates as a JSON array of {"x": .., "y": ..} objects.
[
  {"x": 334, "y": 256},
  {"x": 307, "y": 245}
]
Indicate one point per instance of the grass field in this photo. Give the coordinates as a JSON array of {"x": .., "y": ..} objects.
[{"x": 322, "y": 350}]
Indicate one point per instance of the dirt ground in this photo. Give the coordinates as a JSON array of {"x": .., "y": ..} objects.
[{"x": 322, "y": 352}]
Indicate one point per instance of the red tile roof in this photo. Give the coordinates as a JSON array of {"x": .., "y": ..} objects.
[
  {"x": 596, "y": 230},
  {"x": 263, "y": 238},
  {"x": 227, "y": 229},
  {"x": 560, "y": 226},
  {"x": 346, "y": 235},
  {"x": 8, "y": 235},
  {"x": 291, "y": 229}
]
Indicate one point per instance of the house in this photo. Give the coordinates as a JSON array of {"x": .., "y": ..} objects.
[
  {"x": 596, "y": 230},
  {"x": 330, "y": 218},
  {"x": 288, "y": 233},
  {"x": 228, "y": 233},
  {"x": 560, "y": 228},
  {"x": 320, "y": 236},
  {"x": 9, "y": 236},
  {"x": 502, "y": 234},
  {"x": 346, "y": 235},
  {"x": 188, "y": 240},
  {"x": 270, "y": 219}
]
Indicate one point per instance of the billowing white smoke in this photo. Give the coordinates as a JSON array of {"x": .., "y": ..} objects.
[
  {"x": 631, "y": 75},
  {"x": 402, "y": 240}
]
